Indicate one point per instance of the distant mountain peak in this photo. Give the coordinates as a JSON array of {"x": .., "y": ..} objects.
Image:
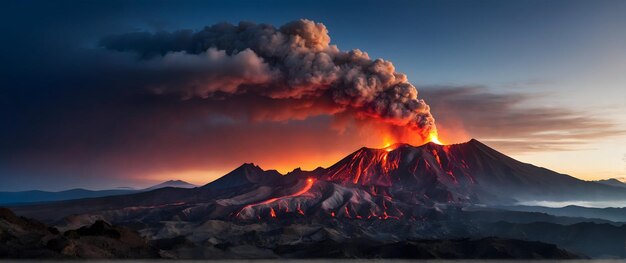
[
  {"x": 175, "y": 181},
  {"x": 247, "y": 173},
  {"x": 612, "y": 182},
  {"x": 250, "y": 167},
  {"x": 172, "y": 183}
]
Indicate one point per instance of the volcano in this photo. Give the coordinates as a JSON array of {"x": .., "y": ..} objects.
[
  {"x": 399, "y": 182},
  {"x": 392, "y": 182}
]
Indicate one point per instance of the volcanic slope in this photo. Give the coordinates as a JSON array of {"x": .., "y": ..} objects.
[{"x": 397, "y": 182}]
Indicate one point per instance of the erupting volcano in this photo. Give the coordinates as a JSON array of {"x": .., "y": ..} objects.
[
  {"x": 370, "y": 183},
  {"x": 399, "y": 182},
  {"x": 394, "y": 182}
]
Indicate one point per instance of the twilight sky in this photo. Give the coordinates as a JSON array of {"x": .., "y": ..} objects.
[{"x": 101, "y": 94}]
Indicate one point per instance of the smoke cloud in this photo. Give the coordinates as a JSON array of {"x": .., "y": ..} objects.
[{"x": 293, "y": 69}]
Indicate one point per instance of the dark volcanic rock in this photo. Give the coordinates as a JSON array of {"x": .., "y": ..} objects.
[
  {"x": 26, "y": 238},
  {"x": 486, "y": 248},
  {"x": 591, "y": 239},
  {"x": 99, "y": 228}
]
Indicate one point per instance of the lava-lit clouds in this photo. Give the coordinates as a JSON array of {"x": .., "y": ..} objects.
[
  {"x": 194, "y": 105},
  {"x": 152, "y": 106},
  {"x": 294, "y": 66}
]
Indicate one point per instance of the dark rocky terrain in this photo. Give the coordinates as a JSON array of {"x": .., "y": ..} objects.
[
  {"x": 26, "y": 238},
  {"x": 484, "y": 248}
]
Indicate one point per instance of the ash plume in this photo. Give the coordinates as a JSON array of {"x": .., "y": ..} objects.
[{"x": 294, "y": 64}]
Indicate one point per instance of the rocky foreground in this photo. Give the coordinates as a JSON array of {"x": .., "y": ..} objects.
[{"x": 26, "y": 238}]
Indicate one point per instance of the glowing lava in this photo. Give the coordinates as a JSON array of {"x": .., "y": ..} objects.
[
  {"x": 434, "y": 138},
  {"x": 306, "y": 188},
  {"x": 272, "y": 212},
  {"x": 387, "y": 140}
]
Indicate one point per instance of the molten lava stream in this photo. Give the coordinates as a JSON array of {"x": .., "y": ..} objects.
[
  {"x": 272, "y": 212},
  {"x": 436, "y": 154},
  {"x": 306, "y": 188}
]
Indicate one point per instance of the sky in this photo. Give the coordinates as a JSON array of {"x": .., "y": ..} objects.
[{"x": 102, "y": 94}]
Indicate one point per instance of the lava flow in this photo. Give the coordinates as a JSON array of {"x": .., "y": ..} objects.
[
  {"x": 306, "y": 188},
  {"x": 365, "y": 167},
  {"x": 374, "y": 183},
  {"x": 309, "y": 184}
]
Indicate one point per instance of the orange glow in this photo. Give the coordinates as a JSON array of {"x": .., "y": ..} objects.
[
  {"x": 434, "y": 138},
  {"x": 387, "y": 141},
  {"x": 305, "y": 162},
  {"x": 312, "y": 151},
  {"x": 299, "y": 209},
  {"x": 390, "y": 137},
  {"x": 306, "y": 188},
  {"x": 272, "y": 212},
  {"x": 436, "y": 154}
]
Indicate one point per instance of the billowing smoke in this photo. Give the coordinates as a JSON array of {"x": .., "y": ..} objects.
[{"x": 294, "y": 64}]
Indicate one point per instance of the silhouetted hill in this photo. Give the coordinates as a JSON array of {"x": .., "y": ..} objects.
[{"x": 36, "y": 196}]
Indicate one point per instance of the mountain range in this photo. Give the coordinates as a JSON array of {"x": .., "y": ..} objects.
[
  {"x": 394, "y": 195},
  {"x": 612, "y": 182},
  {"x": 35, "y": 196}
]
